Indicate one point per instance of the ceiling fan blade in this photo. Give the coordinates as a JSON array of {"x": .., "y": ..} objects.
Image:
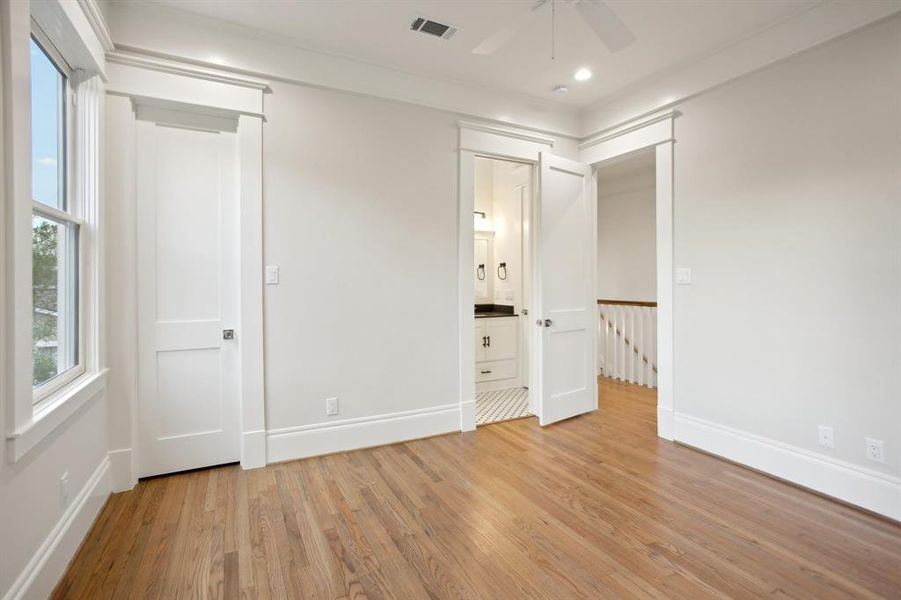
[
  {"x": 604, "y": 22},
  {"x": 501, "y": 38}
]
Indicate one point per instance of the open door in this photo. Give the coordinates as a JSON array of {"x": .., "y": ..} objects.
[{"x": 564, "y": 231}]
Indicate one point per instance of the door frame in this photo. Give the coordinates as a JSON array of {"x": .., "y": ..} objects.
[
  {"x": 152, "y": 82},
  {"x": 655, "y": 131},
  {"x": 501, "y": 143}
]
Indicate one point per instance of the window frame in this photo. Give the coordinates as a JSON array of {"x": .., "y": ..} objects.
[{"x": 71, "y": 214}]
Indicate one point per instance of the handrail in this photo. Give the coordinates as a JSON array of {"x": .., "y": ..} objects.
[
  {"x": 627, "y": 302},
  {"x": 644, "y": 357}
]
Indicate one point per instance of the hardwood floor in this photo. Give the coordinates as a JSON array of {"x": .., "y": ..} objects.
[{"x": 593, "y": 507}]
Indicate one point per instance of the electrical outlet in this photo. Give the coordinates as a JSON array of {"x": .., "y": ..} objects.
[
  {"x": 64, "y": 490},
  {"x": 827, "y": 436},
  {"x": 331, "y": 407},
  {"x": 875, "y": 450},
  {"x": 683, "y": 275}
]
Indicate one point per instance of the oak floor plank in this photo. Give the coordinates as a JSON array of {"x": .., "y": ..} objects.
[{"x": 593, "y": 507}]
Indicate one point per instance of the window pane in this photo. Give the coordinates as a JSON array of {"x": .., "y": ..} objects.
[
  {"x": 48, "y": 159},
  {"x": 54, "y": 255}
]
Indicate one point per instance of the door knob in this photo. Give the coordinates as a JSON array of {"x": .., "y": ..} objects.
[
  {"x": 548, "y": 322},
  {"x": 228, "y": 334}
]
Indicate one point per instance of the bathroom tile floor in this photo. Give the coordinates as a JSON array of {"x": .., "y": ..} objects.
[{"x": 502, "y": 405}]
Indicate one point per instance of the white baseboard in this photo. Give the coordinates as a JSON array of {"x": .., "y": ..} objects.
[
  {"x": 468, "y": 416},
  {"x": 121, "y": 471},
  {"x": 665, "y": 422},
  {"x": 48, "y": 563},
  {"x": 867, "y": 488},
  {"x": 253, "y": 449},
  {"x": 351, "y": 434}
]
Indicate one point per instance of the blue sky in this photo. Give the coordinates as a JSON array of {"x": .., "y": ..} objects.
[{"x": 46, "y": 91}]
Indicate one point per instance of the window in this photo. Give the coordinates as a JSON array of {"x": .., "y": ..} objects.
[{"x": 55, "y": 228}]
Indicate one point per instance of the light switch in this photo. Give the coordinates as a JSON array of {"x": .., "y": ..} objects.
[
  {"x": 271, "y": 275},
  {"x": 683, "y": 275}
]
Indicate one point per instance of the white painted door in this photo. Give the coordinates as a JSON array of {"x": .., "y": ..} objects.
[
  {"x": 565, "y": 237},
  {"x": 188, "y": 294}
]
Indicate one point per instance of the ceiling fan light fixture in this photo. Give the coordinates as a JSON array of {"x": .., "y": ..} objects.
[{"x": 583, "y": 74}]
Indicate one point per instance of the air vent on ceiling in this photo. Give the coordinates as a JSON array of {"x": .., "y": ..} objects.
[{"x": 439, "y": 30}]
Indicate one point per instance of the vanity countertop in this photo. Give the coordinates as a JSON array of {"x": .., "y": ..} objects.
[{"x": 493, "y": 311}]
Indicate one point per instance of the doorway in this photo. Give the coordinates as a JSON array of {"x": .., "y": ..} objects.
[
  {"x": 502, "y": 193},
  {"x": 188, "y": 247},
  {"x": 561, "y": 236},
  {"x": 627, "y": 277}
]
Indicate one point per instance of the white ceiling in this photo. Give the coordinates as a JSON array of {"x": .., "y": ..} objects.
[{"x": 669, "y": 34}]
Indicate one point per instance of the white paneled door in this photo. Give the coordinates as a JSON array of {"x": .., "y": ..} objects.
[
  {"x": 188, "y": 294},
  {"x": 565, "y": 298}
]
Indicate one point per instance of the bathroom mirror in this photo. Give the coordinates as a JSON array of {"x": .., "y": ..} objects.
[{"x": 483, "y": 257}]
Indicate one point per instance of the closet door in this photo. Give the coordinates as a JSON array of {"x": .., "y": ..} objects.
[
  {"x": 565, "y": 232},
  {"x": 188, "y": 290}
]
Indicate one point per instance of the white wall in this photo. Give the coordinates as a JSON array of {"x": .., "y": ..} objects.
[
  {"x": 484, "y": 192},
  {"x": 509, "y": 177},
  {"x": 31, "y": 502},
  {"x": 627, "y": 247},
  {"x": 787, "y": 209},
  {"x": 360, "y": 215}
]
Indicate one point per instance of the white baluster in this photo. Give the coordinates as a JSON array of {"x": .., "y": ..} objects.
[
  {"x": 627, "y": 335},
  {"x": 640, "y": 317},
  {"x": 614, "y": 345},
  {"x": 646, "y": 345},
  {"x": 611, "y": 319},
  {"x": 652, "y": 353},
  {"x": 621, "y": 326}
]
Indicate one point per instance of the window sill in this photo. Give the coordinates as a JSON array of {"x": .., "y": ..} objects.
[{"x": 55, "y": 410}]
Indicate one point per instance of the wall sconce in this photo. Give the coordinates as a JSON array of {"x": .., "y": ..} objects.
[{"x": 481, "y": 222}]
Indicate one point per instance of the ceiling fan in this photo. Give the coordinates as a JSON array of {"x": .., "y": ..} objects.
[{"x": 603, "y": 21}]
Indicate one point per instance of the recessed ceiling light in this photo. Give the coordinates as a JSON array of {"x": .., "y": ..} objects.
[
  {"x": 583, "y": 75},
  {"x": 560, "y": 89}
]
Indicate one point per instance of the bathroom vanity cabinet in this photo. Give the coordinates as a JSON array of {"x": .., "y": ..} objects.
[{"x": 496, "y": 350}]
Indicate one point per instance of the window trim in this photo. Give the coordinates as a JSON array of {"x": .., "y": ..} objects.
[
  {"x": 43, "y": 394},
  {"x": 29, "y": 424}
]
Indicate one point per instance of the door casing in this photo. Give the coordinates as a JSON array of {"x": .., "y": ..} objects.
[{"x": 654, "y": 131}]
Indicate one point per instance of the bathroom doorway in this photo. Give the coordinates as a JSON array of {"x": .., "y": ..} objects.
[{"x": 502, "y": 289}]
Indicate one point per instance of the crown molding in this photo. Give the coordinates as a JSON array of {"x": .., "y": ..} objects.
[
  {"x": 97, "y": 23},
  {"x": 627, "y": 127},
  {"x": 145, "y": 61},
  {"x": 506, "y": 132}
]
